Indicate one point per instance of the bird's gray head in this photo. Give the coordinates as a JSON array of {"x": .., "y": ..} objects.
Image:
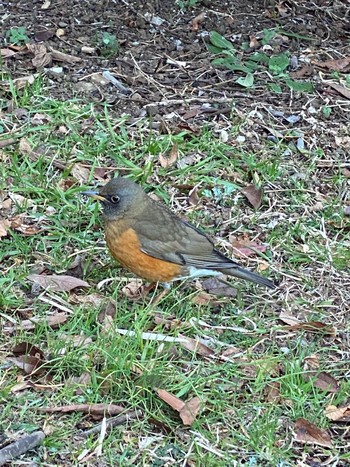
[{"x": 118, "y": 196}]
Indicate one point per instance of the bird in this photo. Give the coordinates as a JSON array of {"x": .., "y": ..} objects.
[{"x": 152, "y": 242}]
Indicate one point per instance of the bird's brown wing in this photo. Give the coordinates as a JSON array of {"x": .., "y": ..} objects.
[{"x": 177, "y": 241}]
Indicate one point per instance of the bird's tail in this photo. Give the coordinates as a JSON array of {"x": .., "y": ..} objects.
[{"x": 242, "y": 273}]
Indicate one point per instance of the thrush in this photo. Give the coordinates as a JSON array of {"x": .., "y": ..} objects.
[{"x": 151, "y": 241}]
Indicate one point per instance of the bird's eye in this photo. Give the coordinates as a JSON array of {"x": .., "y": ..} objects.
[{"x": 114, "y": 199}]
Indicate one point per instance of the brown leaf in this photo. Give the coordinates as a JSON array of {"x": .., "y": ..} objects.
[
  {"x": 27, "y": 363},
  {"x": 166, "y": 160},
  {"x": 196, "y": 21},
  {"x": 18, "y": 83},
  {"x": 253, "y": 195},
  {"x": 204, "y": 298},
  {"x": 341, "y": 64},
  {"x": 314, "y": 327},
  {"x": 243, "y": 247},
  {"x": 341, "y": 89},
  {"x": 230, "y": 352},
  {"x": 40, "y": 119},
  {"x": 25, "y": 148},
  {"x": 322, "y": 380},
  {"x": 30, "y": 324},
  {"x": 216, "y": 287},
  {"x": 43, "y": 35},
  {"x": 26, "y": 348},
  {"x": 6, "y": 53},
  {"x": 81, "y": 382},
  {"x": 288, "y": 319},
  {"x": 18, "y": 223},
  {"x": 193, "y": 345},
  {"x": 42, "y": 57},
  {"x": 338, "y": 414},
  {"x": 174, "y": 402},
  {"x": 193, "y": 197},
  {"x": 90, "y": 409},
  {"x": 272, "y": 392},
  {"x": 133, "y": 289},
  {"x": 80, "y": 172},
  {"x": 57, "y": 283},
  {"x": 307, "y": 432},
  {"x": 168, "y": 323},
  {"x": 4, "y": 227},
  {"x": 310, "y": 326},
  {"x": 188, "y": 410},
  {"x": 305, "y": 71}
]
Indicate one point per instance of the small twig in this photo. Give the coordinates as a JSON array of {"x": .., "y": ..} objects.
[
  {"x": 185, "y": 100},
  {"x": 7, "y": 142},
  {"x": 21, "y": 446},
  {"x": 111, "y": 422}
]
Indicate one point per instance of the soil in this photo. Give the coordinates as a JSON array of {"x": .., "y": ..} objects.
[{"x": 162, "y": 59}]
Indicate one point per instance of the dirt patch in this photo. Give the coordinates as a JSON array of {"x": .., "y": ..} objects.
[{"x": 161, "y": 58}]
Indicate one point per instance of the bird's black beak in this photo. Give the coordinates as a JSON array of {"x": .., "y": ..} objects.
[{"x": 93, "y": 194}]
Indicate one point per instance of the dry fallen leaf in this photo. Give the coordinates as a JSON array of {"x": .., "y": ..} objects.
[
  {"x": 272, "y": 392},
  {"x": 341, "y": 89},
  {"x": 341, "y": 64},
  {"x": 18, "y": 83},
  {"x": 80, "y": 172},
  {"x": 57, "y": 283},
  {"x": 4, "y": 226},
  {"x": 42, "y": 57},
  {"x": 82, "y": 381},
  {"x": 314, "y": 327},
  {"x": 193, "y": 345},
  {"x": 311, "y": 326},
  {"x": 6, "y": 53},
  {"x": 305, "y": 71},
  {"x": 26, "y": 348},
  {"x": 20, "y": 224},
  {"x": 166, "y": 160},
  {"x": 216, "y": 287},
  {"x": 204, "y": 298},
  {"x": 188, "y": 410},
  {"x": 43, "y": 35},
  {"x": 288, "y": 319},
  {"x": 338, "y": 414},
  {"x": 253, "y": 195},
  {"x": 243, "y": 247},
  {"x": 197, "y": 21},
  {"x": 307, "y": 432},
  {"x": 133, "y": 289},
  {"x": 30, "y": 324},
  {"x": 322, "y": 380},
  {"x": 27, "y": 363}
]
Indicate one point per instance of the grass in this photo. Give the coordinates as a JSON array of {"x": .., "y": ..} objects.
[{"x": 309, "y": 250}]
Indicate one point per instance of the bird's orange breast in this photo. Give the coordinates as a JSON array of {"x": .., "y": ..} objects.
[{"x": 125, "y": 247}]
